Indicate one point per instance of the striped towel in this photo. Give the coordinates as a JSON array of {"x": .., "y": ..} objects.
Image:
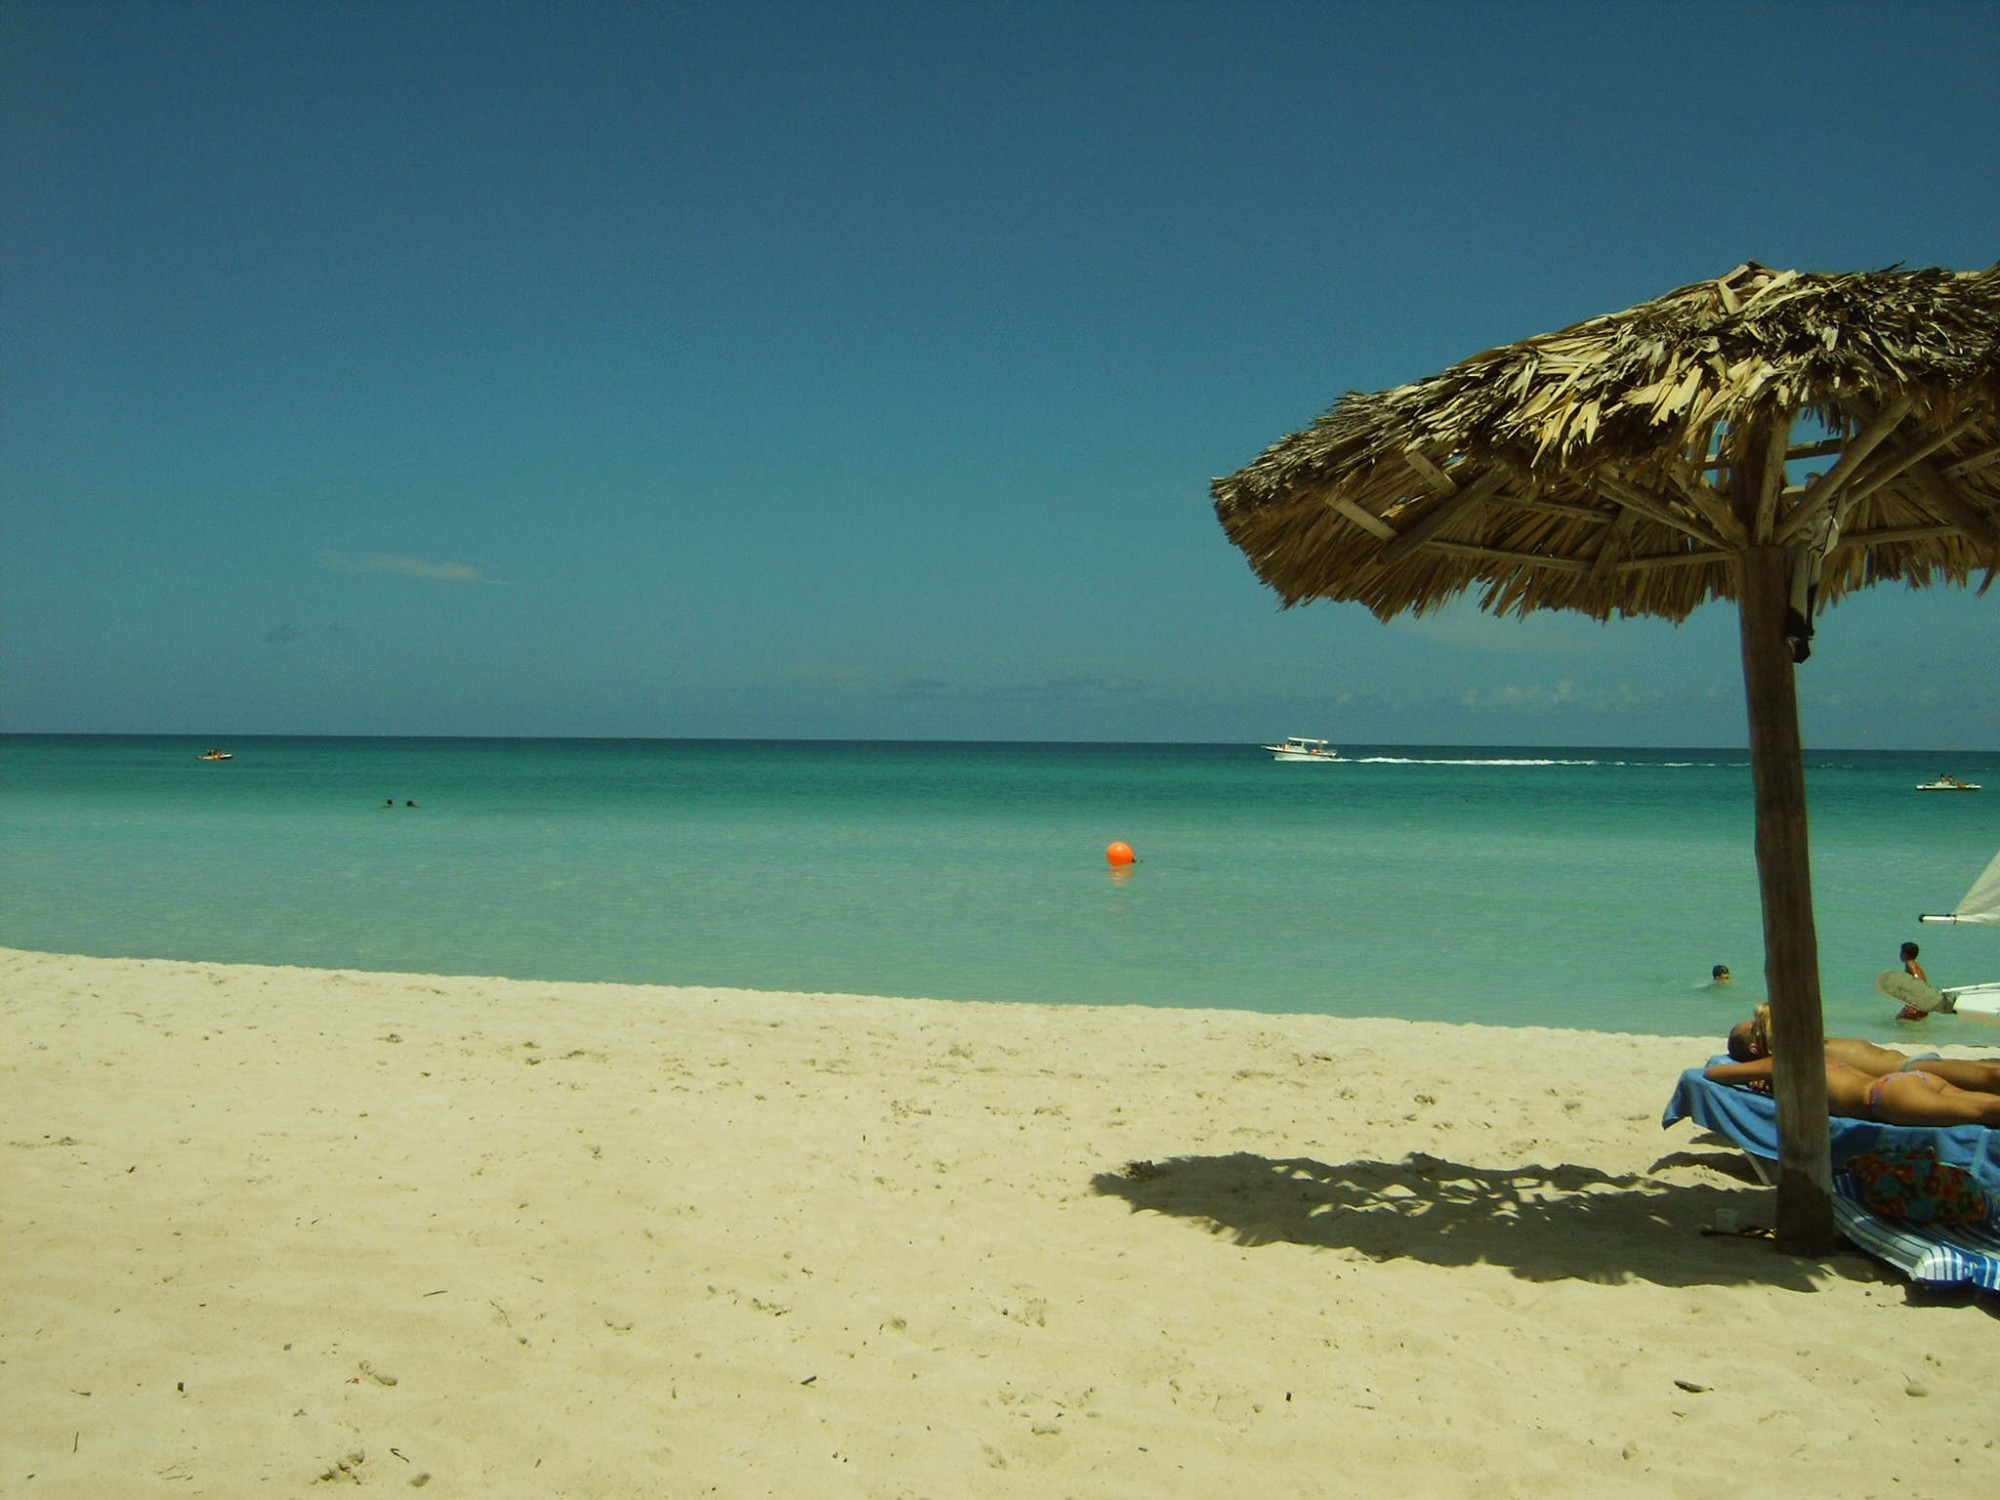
[{"x": 1934, "y": 1254}]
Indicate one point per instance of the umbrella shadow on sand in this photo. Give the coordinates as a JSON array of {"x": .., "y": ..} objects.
[{"x": 1544, "y": 1223}]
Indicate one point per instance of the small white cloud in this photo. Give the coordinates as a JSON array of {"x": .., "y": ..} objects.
[
  {"x": 1538, "y": 697},
  {"x": 1086, "y": 686},
  {"x": 1627, "y": 696},
  {"x": 400, "y": 566},
  {"x": 1082, "y": 688},
  {"x": 1534, "y": 695}
]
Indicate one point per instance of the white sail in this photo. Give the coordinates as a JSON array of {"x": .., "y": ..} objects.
[{"x": 1980, "y": 904}]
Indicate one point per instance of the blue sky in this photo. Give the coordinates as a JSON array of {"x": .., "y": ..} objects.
[{"x": 858, "y": 370}]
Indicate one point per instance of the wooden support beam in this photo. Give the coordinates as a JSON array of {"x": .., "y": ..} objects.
[
  {"x": 1890, "y": 534},
  {"x": 1883, "y": 469},
  {"x": 1653, "y": 560},
  {"x": 1972, "y": 464},
  {"x": 1944, "y": 498},
  {"x": 1701, "y": 454},
  {"x": 1519, "y": 559},
  {"x": 1430, "y": 473},
  {"x": 1442, "y": 515},
  {"x": 1612, "y": 547},
  {"x": 1797, "y": 454},
  {"x": 1712, "y": 508},
  {"x": 1762, "y": 479},
  {"x": 1568, "y": 510},
  {"x": 1654, "y": 508},
  {"x": 1373, "y": 524},
  {"x": 1842, "y": 474}
]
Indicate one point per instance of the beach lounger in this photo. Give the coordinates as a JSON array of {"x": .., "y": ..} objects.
[{"x": 1933, "y": 1254}]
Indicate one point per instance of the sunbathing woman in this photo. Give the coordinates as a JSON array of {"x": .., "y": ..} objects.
[
  {"x": 1913, "y": 1098},
  {"x": 1751, "y": 1039}
]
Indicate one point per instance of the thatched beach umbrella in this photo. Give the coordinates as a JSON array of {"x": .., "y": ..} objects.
[{"x": 1647, "y": 461}]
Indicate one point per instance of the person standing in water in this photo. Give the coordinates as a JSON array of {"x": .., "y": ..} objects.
[{"x": 1916, "y": 971}]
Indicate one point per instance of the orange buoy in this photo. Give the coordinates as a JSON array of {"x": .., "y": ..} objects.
[{"x": 1119, "y": 853}]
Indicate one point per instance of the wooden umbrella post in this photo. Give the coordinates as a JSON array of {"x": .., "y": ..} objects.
[{"x": 1784, "y": 876}]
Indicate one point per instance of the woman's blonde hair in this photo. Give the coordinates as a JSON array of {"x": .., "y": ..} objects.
[{"x": 1751, "y": 1039}]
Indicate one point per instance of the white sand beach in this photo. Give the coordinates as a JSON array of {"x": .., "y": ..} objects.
[{"x": 272, "y": 1230}]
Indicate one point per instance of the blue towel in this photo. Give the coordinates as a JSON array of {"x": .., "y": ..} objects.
[
  {"x": 1751, "y": 1120},
  {"x": 1935, "y": 1254}
]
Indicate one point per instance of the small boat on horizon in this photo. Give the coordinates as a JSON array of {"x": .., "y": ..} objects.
[
  {"x": 1298, "y": 748},
  {"x": 216, "y": 755},
  {"x": 1948, "y": 784}
]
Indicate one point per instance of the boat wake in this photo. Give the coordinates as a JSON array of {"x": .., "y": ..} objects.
[
  {"x": 1417, "y": 760},
  {"x": 1522, "y": 760}
]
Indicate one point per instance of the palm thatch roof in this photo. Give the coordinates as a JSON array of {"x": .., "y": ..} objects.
[{"x": 1620, "y": 466}]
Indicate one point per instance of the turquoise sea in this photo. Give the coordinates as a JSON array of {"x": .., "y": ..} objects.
[{"x": 1574, "y": 888}]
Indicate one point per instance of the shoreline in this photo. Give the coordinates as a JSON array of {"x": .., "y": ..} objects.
[
  {"x": 584, "y": 1238},
  {"x": 1750, "y": 996}
]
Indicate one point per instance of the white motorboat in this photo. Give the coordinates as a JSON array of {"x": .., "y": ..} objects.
[
  {"x": 1948, "y": 784},
  {"x": 1298, "y": 748}
]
